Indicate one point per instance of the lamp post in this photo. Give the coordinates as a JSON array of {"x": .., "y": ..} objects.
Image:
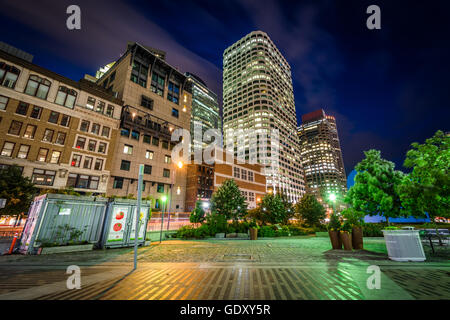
[
  {"x": 332, "y": 198},
  {"x": 138, "y": 213},
  {"x": 163, "y": 199},
  {"x": 179, "y": 165}
]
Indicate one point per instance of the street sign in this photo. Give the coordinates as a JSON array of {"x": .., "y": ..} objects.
[{"x": 2, "y": 203}]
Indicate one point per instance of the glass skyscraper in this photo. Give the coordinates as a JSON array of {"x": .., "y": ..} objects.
[{"x": 258, "y": 97}]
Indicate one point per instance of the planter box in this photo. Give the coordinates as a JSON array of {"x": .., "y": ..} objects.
[
  {"x": 220, "y": 235},
  {"x": 62, "y": 249},
  {"x": 231, "y": 235},
  {"x": 404, "y": 245},
  {"x": 147, "y": 243},
  {"x": 346, "y": 239},
  {"x": 242, "y": 235}
]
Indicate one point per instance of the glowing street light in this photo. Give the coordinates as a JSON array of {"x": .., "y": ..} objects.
[
  {"x": 180, "y": 164},
  {"x": 332, "y": 197}
]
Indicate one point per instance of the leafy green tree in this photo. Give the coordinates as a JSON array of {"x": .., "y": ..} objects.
[
  {"x": 427, "y": 187},
  {"x": 310, "y": 210},
  {"x": 374, "y": 191},
  {"x": 198, "y": 214},
  {"x": 275, "y": 209},
  {"x": 17, "y": 190},
  {"x": 228, "y": 201}
]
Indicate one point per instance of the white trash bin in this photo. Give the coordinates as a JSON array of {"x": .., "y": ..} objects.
[{"x": 404, "y": 245}]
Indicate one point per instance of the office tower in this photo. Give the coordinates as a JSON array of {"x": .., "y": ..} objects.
[
  {"x": 205, "y": 110},
  {"x": 59, "y": 132},
  {"x": 321, "y": 154},
  {"x": 258, "y": 97},
  {"x": 157, "y": 100}
]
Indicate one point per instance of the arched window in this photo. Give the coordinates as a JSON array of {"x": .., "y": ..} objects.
[
  {"x": 66, "y": 97},
  {"x": 8, "y": 75},
  {"x": 38, "y": 87}
]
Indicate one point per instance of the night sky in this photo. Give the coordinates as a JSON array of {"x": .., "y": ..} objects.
[{"x": 387, "y": 88}]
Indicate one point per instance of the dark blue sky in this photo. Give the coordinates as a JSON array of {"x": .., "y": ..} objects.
[{"x": 387, "y": 88}]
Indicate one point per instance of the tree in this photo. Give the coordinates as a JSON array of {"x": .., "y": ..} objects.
[
  {"x": 17, "y": 190},
  {"x": 374, "y": 191},
  {"x": 427, "y": 187},
  {"x": 310, "y": 210},
  {"x": 228, "y": 201},
  {"x": 198, "y": 214},
  {"x": 275, "y": 209}
]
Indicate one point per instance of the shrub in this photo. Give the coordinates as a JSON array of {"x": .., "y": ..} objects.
[
  {"x": 217, "y": 223},
  {"x": 189, "y": 232},
  {"x": 198, "y": 214},
  {"x": 266, "y": 231},
  {"x": 373, "y": 229}
]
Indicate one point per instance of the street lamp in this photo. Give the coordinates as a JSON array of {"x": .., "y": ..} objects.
[
  {"x": 332, "y": 198},
  {"x": 179, "y": 165},
  {"x": 163, "y": 199}
]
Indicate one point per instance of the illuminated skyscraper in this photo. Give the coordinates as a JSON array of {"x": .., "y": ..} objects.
[
  {"x": 321, "y": 154},
  {"x": 258, "y": 97},
  {"x": 205, "y": 109}
]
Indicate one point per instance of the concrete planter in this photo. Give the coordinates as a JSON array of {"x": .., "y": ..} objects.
[
  {"x": 231, "y": 235},
  {"x": 63, "y": 249},
  {"x": 220, "y": 235},
  {"x": 147, "y": 243}
]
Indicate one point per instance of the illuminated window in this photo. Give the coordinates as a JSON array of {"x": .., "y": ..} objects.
[{"x": 38, "y": 87}]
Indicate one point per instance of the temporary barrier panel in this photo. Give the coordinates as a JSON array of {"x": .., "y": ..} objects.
[
  {"x": 120, "y": 223},
  {"x": 63, "y": 219}
]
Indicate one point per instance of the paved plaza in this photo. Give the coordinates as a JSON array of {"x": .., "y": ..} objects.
[{"x": 276, "y": 268}]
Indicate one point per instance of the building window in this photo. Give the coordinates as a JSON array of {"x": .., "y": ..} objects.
[
  {"x": 90, "y": 103},
  {"x": 92, "y": 145},
  {"x": 23, "y": 151},
  {"x": 65, "y": 120},
  {"x": 36, "y": 112},
  {"x": 87, "y": 164},
  {"x": 3, "y": 102},
  {"x": 155, "y": 141},
  {"x": 147, "y": 102},
  {"x": 53, "y": 118},
  {"x": 66, "y": 97},
  {"x": 147, "y": 138},
  {"x": 8, "y": 75},
  {"x": 118, "y": 183},
  {"x": 76, "y": 160},
  {"x": 29, "y": 132},
  {"x": 127, "y": 149},
  {"x": 160, "y": 188},
  {"x": 147, "y": 169},
  {"x": 110, "y": 110},
  {"x": 139, "y": 73},
  {"x": 165, "y": 144},
  {"x": 102, "y": 147},
  {"x": 158, "y": 84},
  {"x": 125, "y": 132},
  {"x": 173, "y": 92},
  {"x": 250, "y": 176},
  {"x": 55, "y": 157},
  {"x": 42, "y": 155},
  {"x": 43, "y": 177},
  {"x": 81, "y": 181},
  {"x": 95, "y": 128},
  {"x": 167, "y": 159},
  {"x": 48, "y": 135},
  {"x": 60, "y": 138},
  {"x": 22, "y": 108},
  {"x": 100, "y": 107},
  {"x": 135, "y": 135},
  {"x": 166, "y": 173},
  {"x": 105, "y": 132},
  {"x": 237, "y": 172},
  {"x": 98, "y": 164},
  {"x": 38, "y": 87},
  {"x": 8, "y": 148},
  {"x": 84, "y": 126},
  {"x": 149, "y": 155},
  {"x": 244, "y": 174},
  {"x": 175, "y": 113},
  {"x": 125, "y": 165},
  {"x": 81, "y": 142},
  {"x": 15, "y": 128}
]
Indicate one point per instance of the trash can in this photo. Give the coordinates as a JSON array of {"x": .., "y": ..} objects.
[{"x": 404, "y": 245}]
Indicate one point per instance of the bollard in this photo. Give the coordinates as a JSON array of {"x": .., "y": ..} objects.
[{"x": 13, "y": 243}]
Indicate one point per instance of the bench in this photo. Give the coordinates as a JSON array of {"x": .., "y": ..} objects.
[{"x": 433, "y": 236}]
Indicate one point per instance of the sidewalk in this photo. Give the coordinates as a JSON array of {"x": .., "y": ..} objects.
[{"x": 284, "y": 268}]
